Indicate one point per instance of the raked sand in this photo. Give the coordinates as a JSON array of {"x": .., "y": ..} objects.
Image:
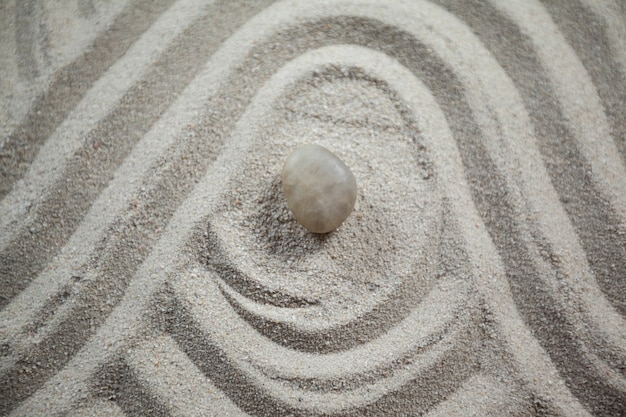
[{"x": 149, "y": 264}]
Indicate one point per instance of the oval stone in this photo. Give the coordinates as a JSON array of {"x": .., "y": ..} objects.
[{"x": 319, "y": 187}]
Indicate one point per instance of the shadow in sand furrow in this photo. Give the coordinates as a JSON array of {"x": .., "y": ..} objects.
[
  {"x": 116, "y": 381},
  {"x": 416, "y": 396},
  {"x": 586, "y": 33},
  {"x": 91, "y": 168},
  {"x": 595, "y": 223},
  {"x": 69, "y": 84},
  {"x": 588, "y": 212},
  {"x": 128, "y": 241},
  {"x": 592, "y": 219}
]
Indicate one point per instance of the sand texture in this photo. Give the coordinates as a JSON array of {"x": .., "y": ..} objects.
[{"x": 149, "y": 265}]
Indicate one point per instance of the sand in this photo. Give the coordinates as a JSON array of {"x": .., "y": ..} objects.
[{"x": 149, "y": 264}]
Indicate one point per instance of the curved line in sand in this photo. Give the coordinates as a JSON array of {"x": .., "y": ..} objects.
[
  {"x": 505, "y": 312},
  {"x": 103, "y": 96},
  {"x": 267, "y": 363}
]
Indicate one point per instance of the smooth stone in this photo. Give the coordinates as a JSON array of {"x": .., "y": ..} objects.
[{"x": 319, "y": 187}]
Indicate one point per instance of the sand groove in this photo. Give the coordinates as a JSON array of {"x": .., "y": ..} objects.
[{"x": 149, "y": 265}]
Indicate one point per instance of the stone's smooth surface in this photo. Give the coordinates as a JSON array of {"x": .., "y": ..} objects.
[{"x": 320, "y": 188}]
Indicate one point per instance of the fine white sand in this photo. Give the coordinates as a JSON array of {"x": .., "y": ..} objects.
[{"x": 149, "y": 264}]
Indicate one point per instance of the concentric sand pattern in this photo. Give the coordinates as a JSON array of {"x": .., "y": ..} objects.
[{"x": 149, "y": 264}]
